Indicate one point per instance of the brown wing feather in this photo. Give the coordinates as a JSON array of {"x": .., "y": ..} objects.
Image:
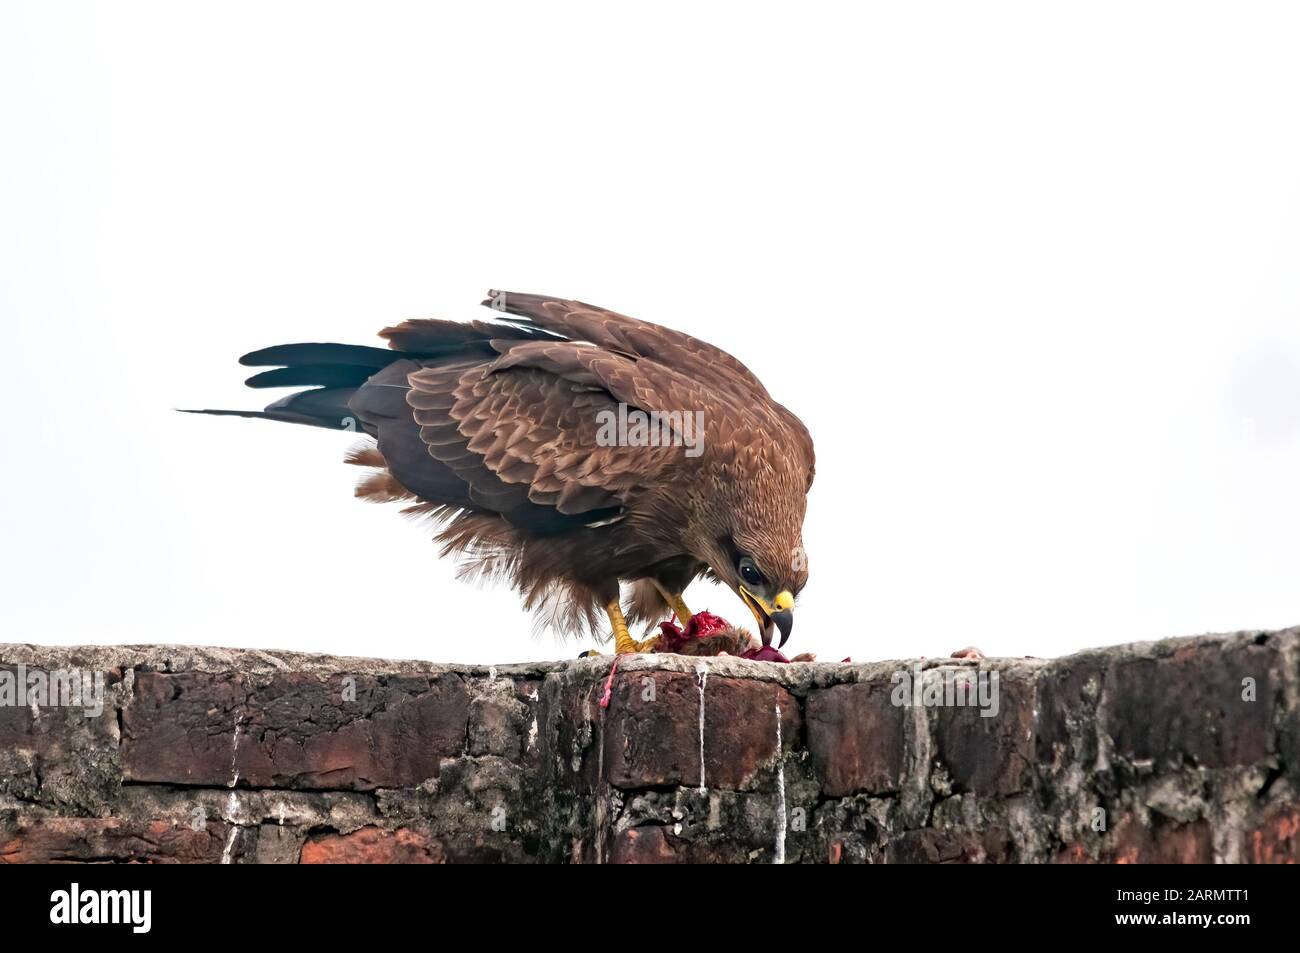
[
  {"x": 686, "y": 357},
  {"x": 520, "y": 430},
  {"x": 525, "y": 434},
  {"x": 626, "y": 335}
]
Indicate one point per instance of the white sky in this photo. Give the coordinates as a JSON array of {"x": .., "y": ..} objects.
[{"x": 1027, "y": 272}]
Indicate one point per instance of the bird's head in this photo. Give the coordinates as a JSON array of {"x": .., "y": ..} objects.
[
  {"x": 767, "y": 568},
  {"x": 750, "y": 529},
  {"x": 770, "y": 596}
]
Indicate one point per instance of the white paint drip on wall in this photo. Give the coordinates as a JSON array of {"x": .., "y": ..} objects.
[
  {"x": 532, "y": 728},
  {"x": 232, "y": 805},
  {"x": 602, "y": 791},
  {"x": 702, "y": 676},
  {"x": 230, "y": 844},
  {"x": 234, "y": 752},
  {"x": 779, "y": 856},
  {"x": 232, "y": 809}
]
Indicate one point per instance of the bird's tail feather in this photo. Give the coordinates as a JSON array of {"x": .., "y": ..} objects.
[
  {"x": 332, "y": 372},
  {"x": 319, "y": 407}
]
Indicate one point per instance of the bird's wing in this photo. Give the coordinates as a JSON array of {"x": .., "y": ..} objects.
[
  {"x": 621, "y": 334},
  {"x": 531, "y": 420},
  {"x": 687, "y": 356},
  {"x": 436, "y": 337}
]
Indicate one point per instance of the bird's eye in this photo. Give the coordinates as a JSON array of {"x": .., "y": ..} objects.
[{"x": 749, "y": 572}]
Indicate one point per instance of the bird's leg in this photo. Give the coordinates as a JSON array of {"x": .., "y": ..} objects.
[
  {"x": 675, "y": 603},
  {"x": 623, "y": 641}
]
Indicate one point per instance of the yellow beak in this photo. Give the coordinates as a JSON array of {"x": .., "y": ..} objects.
[{"x": 778, "y": 613}]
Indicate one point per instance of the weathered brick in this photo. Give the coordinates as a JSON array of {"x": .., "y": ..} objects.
[
  {"x": 48, "y": 840},
  {"x": 1276, "y": 838},
  {"x": 376, "y": 845},
  {"x": 54, "y": 753},
  {"x": 652, "y": 733},
  {"x": 656, "y": 844},
  {"x": 277, "y": 844},
  {"x": 1161, "y": 842},
  {"x": 1073, "y": 853},
  {"x": 295, "y": 731},
  {"x": 991, "y": 754},
  {"x": 644, "y": 845},
  {"x": 932, "y": 846},
  {"x": 855, "y": 737},
  {"x": 372, "y": 845},
  {"x": 1068, "y": 693},
  {"x": 499, "y": 719},
  {"x": 1190, "y": 705}
]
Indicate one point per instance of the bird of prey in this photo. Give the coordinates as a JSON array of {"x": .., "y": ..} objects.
[{"x": 569, "y": 449}]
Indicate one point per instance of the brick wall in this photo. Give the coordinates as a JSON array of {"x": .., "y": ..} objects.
[{"x": 1183, "y": 750}]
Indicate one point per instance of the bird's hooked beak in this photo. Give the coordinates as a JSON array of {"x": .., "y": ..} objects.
[{"x": 778, "y": 612}]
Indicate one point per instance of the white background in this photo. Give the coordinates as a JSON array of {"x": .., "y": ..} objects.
[{"x": 1027, "y": 271}]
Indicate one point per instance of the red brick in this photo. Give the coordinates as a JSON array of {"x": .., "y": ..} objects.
[
  {"x": 51, "y": 840},
  {"x": 855, "y": 736},
  {"x": 650, "y": 743},
  {"x": 932, "y": 846},
  {"x": 373, "y": 845},
  {"x": 295, "y": 731},
  {"x": 1277, "y": 839},
  {"x": 1189, "y": 705},
  {"x": 643, "y": 845},
  {"x": 1068, "y": 693},
  {"x": 989, "y": 755},
  {"x": 1164, "y": 842}
]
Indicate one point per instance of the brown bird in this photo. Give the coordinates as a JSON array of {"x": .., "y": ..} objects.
[{"x": 569, "y": 449}]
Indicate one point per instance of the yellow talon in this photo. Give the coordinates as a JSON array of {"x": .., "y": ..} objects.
[
  {"x": 675, "y": 603},
  {"x": 623, "y": 641}
]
